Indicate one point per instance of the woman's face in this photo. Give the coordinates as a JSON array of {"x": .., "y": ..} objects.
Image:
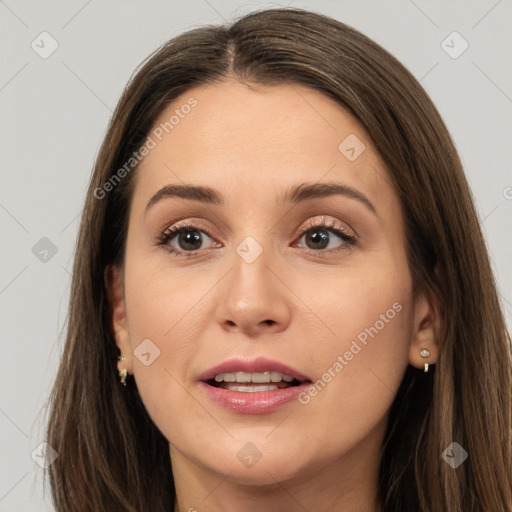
[{"x": 254, "y": 277}]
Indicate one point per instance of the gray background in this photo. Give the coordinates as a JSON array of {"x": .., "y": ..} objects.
[{"x": 54, "y": 113}]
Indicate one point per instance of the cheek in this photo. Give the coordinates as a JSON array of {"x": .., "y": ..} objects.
[
  {"x": 161, "y": 298},
  {"x": 373, "y": 315},
  {"x": 360, "y": 365},
  {"x": 168, "y": 309}
]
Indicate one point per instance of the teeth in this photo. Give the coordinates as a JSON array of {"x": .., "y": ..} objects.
[
  {"x": 243, "y": 377},
  {"x": 276, "y": 376},
  {"x": 260, "y": 377},
  {"x": 249, "y": 389}
]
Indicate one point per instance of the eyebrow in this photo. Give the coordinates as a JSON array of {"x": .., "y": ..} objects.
[{"x": 295, "y": 194}]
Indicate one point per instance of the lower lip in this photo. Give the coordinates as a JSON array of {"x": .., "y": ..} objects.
[{"x": 257, "y": 402}]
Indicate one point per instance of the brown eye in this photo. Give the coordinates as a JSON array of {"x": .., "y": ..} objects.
[
  {"x": 189, "y": 240},
  {"x": 322, "y": 236},
  {"x": 183, "y": 239}
]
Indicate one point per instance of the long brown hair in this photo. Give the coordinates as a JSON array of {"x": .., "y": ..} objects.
[{"x": 111, "y": 455}]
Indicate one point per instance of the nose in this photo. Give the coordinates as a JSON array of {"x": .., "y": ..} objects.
[{"x": 253, "y": 297}]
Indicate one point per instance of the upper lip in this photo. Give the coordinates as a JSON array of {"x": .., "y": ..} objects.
[{"x": 260, "y": 364}]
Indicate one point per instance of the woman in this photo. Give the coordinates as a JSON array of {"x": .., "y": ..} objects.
[{"x": 281, "y": 295}]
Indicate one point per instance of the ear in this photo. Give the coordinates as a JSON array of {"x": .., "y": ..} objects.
[
  {"x": 427, "y": 314},
  {"x": 114, "y": 283}
]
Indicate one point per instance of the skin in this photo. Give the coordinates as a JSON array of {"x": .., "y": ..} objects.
[{"x": 251, "y": 145}]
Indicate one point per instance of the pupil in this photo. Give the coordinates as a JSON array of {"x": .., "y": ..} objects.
[
  {"x": 318, "y": 237},
  {"x": 189, "y": 237}
]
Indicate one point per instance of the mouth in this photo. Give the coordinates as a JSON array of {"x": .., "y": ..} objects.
[
  {"x": 247, "y": 382},
  {"x": 253, "y": 387}
]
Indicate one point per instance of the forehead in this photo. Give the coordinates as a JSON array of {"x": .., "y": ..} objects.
[{"x": 245, "y": 140}]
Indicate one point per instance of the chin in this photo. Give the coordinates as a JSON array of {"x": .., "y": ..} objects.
[
  {"x": 263, "y": 473},
  {"x": 256, "y": 462}
]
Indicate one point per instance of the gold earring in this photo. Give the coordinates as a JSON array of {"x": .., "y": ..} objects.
[
  {"x": 425, "y": 353},
  {"x": 122, "y": 373},
  {"x": 122, "y": 376}
]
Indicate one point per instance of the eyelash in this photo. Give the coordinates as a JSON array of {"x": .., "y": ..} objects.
[{"x": 168, "y": 234}]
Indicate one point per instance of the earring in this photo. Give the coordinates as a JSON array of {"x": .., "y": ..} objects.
[
  {"x": 122, "y": 376},
  {"x": 122, "y": 373},
  {"x": 425, "y": 353}
]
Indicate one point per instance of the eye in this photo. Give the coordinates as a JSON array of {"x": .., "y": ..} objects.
[
  {"x": 187, "y": 237},
  {"x": 317, "y": 240}
]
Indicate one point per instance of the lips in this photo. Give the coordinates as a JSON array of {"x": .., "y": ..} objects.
[
  {"x": 258, "y": 365},
  {"x": 255, "y": 386}
]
